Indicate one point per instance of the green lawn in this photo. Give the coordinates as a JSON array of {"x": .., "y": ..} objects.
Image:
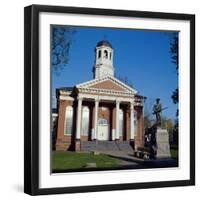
[{"x": 73, "y": 160}]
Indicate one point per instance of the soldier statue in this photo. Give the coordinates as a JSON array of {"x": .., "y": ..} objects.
[
  {"x": 157, "y": 108},
  {"x": 150, "y": 132}
]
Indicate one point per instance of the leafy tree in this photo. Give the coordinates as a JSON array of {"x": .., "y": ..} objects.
[
  {"x": 60, "y": 46},
  {"x": 167, "y": 123},
  {"x": 174, "y": 49},
  {"x": 175, "y": 133},
  {"x": 174, "y": 58},
  {"x": 175, "y": 96}
]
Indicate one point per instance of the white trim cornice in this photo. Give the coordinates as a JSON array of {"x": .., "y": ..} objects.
[
  {"x": 105, "y": 91},
  {"x": 98, "y": 97},
  {"x": 64, "y": 92},
  {"x": 104, "y": 97},
  {"x": 88, "y": 84},
  {"x": 61, "y": 97}
]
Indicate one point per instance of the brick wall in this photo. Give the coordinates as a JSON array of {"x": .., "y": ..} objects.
[
  {"x": 107, "y": 111},
  {"x": 139, "y": 139},
  {"x": 64, "y": 142}
]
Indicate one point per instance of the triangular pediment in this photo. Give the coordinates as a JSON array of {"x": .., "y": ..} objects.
[{"x": 107, "y": 83}]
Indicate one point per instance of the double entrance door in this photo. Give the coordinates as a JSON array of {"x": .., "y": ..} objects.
[{"x": 103, "y": 129}]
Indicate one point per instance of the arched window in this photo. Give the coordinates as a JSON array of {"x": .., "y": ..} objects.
[
  {"x": 110, "y": 55},
  {"x": 68, "y": 120},
  {"x": 105, "y": 54},
  {"x": 99, "y": 54},
  {"x": 135, "y": 123},
  {"x": 121, "y": 122},
  {"x": 103, "y": 121},
  {"x": 85, "y": 120}
]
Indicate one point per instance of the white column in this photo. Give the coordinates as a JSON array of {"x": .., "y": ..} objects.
[
  {"x": 78, "y": 119},
  {"x": 96, "y": 118},
  {"x": 117, "y": 119},
  {"x": 132, "y": 121}
]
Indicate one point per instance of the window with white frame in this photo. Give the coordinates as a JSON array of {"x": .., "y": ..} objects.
[
  {"x": 85, "y": 120},
  {"x": 68, "y": 120},
  {"x": 121, "y": 122},
  {"x": 103, "y": 121}
]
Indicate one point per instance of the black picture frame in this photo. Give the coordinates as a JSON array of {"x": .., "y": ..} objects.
[{"x": 31, "y": 98}]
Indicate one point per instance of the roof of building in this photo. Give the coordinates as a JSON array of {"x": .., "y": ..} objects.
[
  {"x": 104, "y": 79},
  {"x": 67, "y": 89},
  {"x": 104, "y": 43}
]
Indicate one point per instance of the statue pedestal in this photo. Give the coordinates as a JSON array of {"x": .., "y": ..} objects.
[{"x": 162, "y": 141}]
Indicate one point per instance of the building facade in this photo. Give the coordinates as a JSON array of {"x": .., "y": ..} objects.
[{"x": 100, "y": 110}]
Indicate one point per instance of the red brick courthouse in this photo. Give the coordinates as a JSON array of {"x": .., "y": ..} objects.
[{"x": 102, "y": 110}]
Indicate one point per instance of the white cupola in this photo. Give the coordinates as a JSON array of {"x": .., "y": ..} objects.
[{"x": 103, "y": 60}]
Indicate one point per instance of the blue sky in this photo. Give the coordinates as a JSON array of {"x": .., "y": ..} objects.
[{"x": 141, "y": 56}]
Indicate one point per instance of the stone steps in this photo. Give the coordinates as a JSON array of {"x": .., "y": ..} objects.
[
  {"x": 89, "y": 146},
  {"x": 124, "y": 146}
]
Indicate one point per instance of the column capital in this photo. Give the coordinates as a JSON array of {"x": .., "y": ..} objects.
[
  {"x": 96, "y": 99},
  {"x": 79, "y": 98},
  {"x": 118, "y": 101}
]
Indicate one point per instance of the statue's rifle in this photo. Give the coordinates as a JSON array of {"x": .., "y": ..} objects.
[{"x": 160, "y": 110}]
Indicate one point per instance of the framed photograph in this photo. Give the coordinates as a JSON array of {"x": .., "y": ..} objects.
[{"x": 109, "y": 100}]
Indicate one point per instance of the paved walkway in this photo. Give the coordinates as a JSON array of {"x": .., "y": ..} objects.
[
  {"x": 129, "y": 161},
  {"x": 127, "y": 158}
]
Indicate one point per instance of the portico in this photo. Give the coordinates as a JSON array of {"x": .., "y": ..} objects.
[{"x": 113, "y": 101}]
